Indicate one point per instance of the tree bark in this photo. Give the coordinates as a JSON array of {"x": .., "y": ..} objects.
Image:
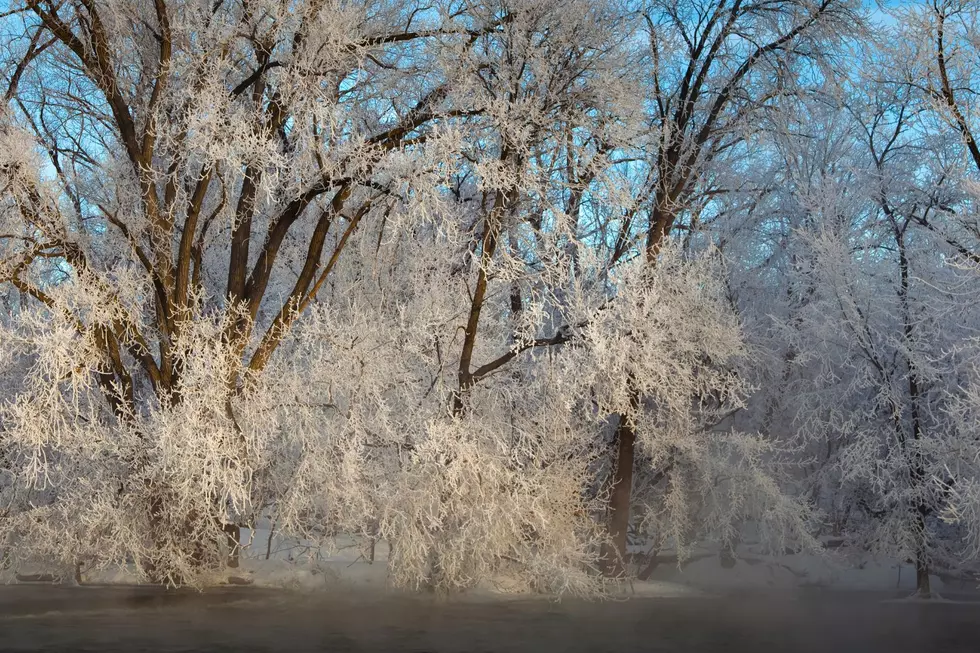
[
  {"x": 922, "y": 587},
  {"x": 614, "y": 553}
]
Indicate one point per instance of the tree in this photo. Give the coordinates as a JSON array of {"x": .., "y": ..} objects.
[
  {"x": 207, "y": 165},
  {"x": 872, "y": 318},
  {"x": 941, "y": 74},
  {"x": 714, "y": 68},
  {"x": 428, "y": 272}
]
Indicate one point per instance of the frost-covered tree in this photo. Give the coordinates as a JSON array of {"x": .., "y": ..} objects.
[
  {"x": 713, "y": 70},
  {"x": 350, "y": 263},
  {"x": 932, "y": 52},
  {"x": 501, "y": 283},
  {"x": 869, "y": 315},
  {"x": 205, "y": 168}
]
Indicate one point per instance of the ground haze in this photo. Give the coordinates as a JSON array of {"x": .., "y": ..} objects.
[{"x": 129, "y": 619}]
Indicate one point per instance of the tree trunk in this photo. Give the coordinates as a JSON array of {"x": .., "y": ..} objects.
[
  {"x": 922, "y": 577},
  {"x": 614, "y": 555},
  {"x": 914, "y": 458},
  {"x": 922, "y": 587},
  {"x": 651, "y": 565},
  {"x": 268, "y": 544},
  {"x": 727, "y": 556},
  {"x": 233, "y": 532}
]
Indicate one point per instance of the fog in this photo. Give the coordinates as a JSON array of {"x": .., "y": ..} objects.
[{"x": 127, "y": 619}]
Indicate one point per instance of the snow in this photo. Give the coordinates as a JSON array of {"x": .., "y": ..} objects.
[
  {"x": 339, "y": 564},
  {"x": 342, "y": 564},
  {"x": 293, "y": 563},
  {"x": 707, "y": 573},
  {"x": 662, "y": 589},
  {"x": 830, "y": 571}
]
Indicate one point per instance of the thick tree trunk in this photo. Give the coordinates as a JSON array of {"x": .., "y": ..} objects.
[
  {"x": 914, "y": 457},
  {"x": 922, "y": 577},
  {"x": 614, "y": 555}
]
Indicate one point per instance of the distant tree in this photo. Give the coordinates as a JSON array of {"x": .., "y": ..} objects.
[{"x": 872, "y": 320}]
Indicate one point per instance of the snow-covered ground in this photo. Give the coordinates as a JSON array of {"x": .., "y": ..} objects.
[
  {"x": 792, "y": 571},
  {"x": 345, "y": 564},
  {"x": 294, "y": 564}
]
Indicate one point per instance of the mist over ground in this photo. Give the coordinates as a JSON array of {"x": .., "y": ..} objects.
[{"x": 130, "y": 619}]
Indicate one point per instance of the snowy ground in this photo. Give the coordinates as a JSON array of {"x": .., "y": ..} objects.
[
  {"x": 294, "y": 564},
  {"x": 346, "y": 564},
  {"x": 793, "y": 571}
]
